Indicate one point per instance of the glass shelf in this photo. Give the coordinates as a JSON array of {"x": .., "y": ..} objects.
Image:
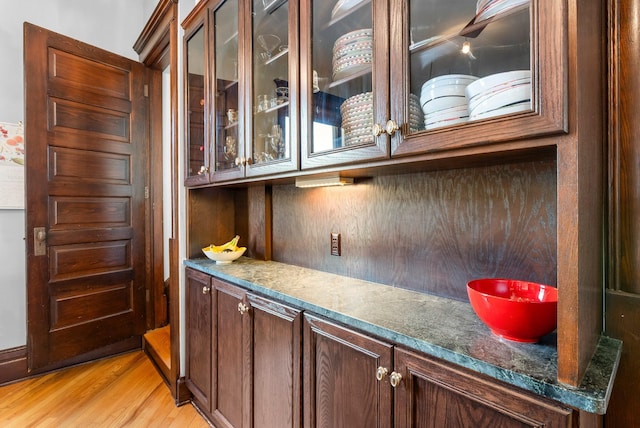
[{"x": 277, "y": 56}]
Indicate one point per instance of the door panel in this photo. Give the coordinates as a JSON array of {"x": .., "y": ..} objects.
[{"x": 85, "y": 178}]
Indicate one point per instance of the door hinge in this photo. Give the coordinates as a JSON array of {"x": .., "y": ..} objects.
[
  {"x": 146, "y": 192},
  {"x": 146, "y": 91}
]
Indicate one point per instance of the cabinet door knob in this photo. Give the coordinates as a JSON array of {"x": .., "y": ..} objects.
[
  {"x": 395, "y": 379},
  {"x": 242, "y": 308},
  {"x": 203, "y": 170},
  {"x": 240, "y": 161},
  {"x": 392, "y": 127},
  {"x": 381, "y": 373},
  {"x": 377, "y": 129},
  {"x": 206, "y": 290}
]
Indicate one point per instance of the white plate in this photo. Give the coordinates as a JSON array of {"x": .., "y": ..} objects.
[
  {"x": 449, "y": 79},
  {"x": 480, "y": 97},
  {"x": 493, "y": 80},
  {"x": 446, "y": 114},
  {"x": 430, "y": 93},
  {"x": 497, "y": 99},
  {"x": 516, "y": 108},
  {"x": 446, "y": 123},
  {"x": 497, "y": 7},
  {"x": 436, "y": 104},
  {"x": 344, "y": 6}
]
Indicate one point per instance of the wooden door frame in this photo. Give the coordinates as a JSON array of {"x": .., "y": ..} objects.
[{"x": 157, "y": 47}]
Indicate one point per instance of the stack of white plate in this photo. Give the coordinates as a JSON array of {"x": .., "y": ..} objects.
[
  {"x": 344, "y": 6},
  {"x": 357, "y": 119},
  {"x": 444, "y": 101},
  {"x": 486, "y": 9},
  {"x": 416, "y": 118},
  {"x": 352, "y": 52},
  {"x": 498, "y": 94}
]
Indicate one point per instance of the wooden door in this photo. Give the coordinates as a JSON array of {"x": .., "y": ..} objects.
[
  {"x": 434, "y": 395},
  {"x": 199, "y": 323},
  {"x": 275, "y": 369},
  {"x": 340, "y": 386},
  {"x": 228, "y": 356},
  {"x": 85, "y": 200}
]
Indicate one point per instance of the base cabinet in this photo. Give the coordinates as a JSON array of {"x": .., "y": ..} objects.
[
  {"x": 340, "y": 386},
  {"x": 431, "y": 394},
  {"x": 253, "y": 362},
  {"x": 198, "y": 337},
  {"x": 243, "y": 355}
]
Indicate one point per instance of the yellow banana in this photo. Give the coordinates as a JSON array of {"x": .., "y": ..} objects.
[{"x": 228, "y": 246}]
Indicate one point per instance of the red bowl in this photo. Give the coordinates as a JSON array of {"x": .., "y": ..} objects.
[{"x": 515, "y": 310}]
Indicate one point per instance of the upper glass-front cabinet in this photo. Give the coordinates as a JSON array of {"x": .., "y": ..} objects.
[
  {"x": 386, "y": 78},
  {"x": 197, "y": 151},
  {"x": 472, "y": 72},
  {"x": 273, "y": 77},
  {"x": 344, "y": 81},
  {"x": 227, "y": 119}
]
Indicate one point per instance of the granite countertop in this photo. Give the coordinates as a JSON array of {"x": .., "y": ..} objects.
[{"x": 439, "y": 327}]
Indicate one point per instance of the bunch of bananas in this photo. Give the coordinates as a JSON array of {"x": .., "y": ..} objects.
[{"x": 230, "y": 246}]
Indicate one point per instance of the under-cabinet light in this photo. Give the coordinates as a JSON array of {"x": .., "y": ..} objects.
[{"x": 330, "y": 180}]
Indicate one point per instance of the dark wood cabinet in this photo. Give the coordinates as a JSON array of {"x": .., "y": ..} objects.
[
  {"x": 198, "y": 339},
  {"x": 351, "y": 379},
  {"x": 275, "y": 338},
  {"x": 563, "y": 126},
  {"x": 340, "y": 385},
  {"x": 228, "y": 355},
  {"x": 243, "y": 355},
  {"x": 432, "y": 394}
]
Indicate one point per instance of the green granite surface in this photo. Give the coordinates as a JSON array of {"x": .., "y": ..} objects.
[{"x": 439, "y": 327}]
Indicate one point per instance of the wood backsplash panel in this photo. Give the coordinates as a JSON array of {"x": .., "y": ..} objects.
[{"x": 430, "y": 232}]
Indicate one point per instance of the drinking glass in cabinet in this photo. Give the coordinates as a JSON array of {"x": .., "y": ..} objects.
[
  {"x": 227, "y": 115},
  {"x": 271, "y": 125},
  {"x": 469, "y": 60}
]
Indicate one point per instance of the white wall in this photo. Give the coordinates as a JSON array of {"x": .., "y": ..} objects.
[{"x": 113, "y": 25}]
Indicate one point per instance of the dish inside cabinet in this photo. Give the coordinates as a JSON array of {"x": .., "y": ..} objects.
[
  {"x": 469, "y": 60},
  {"x": 342, "y": 46}
]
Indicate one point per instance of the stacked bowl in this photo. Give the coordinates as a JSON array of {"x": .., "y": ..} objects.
[
  {"x": 357, "y": 119},
  {"x": 352, "y": 52},
  {"x": 444, "y": 100},
  {"x": 498, "y": 94}
]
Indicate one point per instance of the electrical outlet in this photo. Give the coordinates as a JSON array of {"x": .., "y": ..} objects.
[{"x": 335, "y": 244}]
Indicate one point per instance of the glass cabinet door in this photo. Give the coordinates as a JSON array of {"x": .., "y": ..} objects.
[
  {"x": 273, "y": 112},
  {"x": 227, "y": 118},
  {"x": 197, "y": 153},
  {"x": 344, "y": 67},
  {"x": 467, "y": 67}
]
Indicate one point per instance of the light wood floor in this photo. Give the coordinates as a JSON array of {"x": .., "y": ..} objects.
[{"x": 122, "y": 391}]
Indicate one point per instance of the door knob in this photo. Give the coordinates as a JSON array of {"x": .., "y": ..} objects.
[
  {"x": 381, "y": 373},
  {"x": 395, "y": 379},
  {"x": 392, "y": 127},
  {"x": 378, "y": 130},
  {"x": 242, "y": 308},
  {"x": 39, "y": 241}
]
